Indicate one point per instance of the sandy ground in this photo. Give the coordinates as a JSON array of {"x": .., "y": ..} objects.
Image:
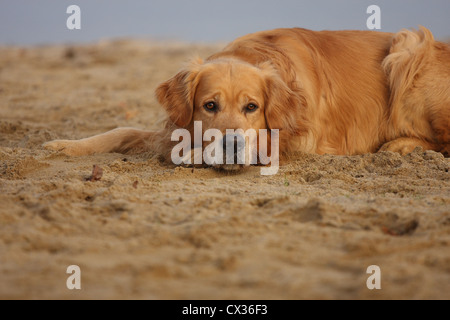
[{"x": 147, "y": 230}]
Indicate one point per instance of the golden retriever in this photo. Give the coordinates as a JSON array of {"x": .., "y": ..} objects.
[{"x": 335, "y": 92}]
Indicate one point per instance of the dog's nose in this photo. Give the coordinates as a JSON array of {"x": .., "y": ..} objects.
[{"x": 233, "y": 147}]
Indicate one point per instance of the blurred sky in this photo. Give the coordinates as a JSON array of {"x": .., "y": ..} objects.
[{"x": 27, "y": 22}]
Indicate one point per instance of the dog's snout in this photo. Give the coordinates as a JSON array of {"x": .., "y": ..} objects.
[
  {"x": 235, "y": 141},
  {"x": 233, "y": 147},
  {"x": 226, "y": 140}
]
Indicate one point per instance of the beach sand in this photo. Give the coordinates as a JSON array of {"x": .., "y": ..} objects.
[{"x": 148, "y": 230}]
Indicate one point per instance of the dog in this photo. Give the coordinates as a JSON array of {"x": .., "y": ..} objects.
[{"x": 327, "y": 92}]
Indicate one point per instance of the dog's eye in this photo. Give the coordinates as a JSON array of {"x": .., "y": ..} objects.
[
  {"x": 210, "y": 106},
  {"x": 251, "y": 107}
]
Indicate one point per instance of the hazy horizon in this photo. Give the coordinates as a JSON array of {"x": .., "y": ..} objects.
[{"x": 26, "y": 22}]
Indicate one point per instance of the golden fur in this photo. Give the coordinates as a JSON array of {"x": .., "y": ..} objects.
[{"x": 336, "y": 92}]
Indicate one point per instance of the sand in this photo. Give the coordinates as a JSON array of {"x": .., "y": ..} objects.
[{"x": 148, "y": 230}]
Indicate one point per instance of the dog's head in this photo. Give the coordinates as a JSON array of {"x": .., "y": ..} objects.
[{"x": 230, "y": 94}]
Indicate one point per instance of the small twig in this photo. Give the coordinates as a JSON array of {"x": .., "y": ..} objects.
[{"x": 97, "y": 174}]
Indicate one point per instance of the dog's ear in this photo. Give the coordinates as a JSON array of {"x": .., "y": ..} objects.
[
  {"x": 284, "y": 106},
  {"x": 176, "y": 95}
]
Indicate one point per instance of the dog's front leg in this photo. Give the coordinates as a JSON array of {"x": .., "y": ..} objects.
[{"x": 120, "y": 140}]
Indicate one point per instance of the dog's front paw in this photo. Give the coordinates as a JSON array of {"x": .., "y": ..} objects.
[
  {"x": 194, "y": 158},
  {"x": 68, "y": 147}
]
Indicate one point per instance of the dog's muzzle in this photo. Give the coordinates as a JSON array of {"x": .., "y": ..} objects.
[{"x": 234, "y": 153}]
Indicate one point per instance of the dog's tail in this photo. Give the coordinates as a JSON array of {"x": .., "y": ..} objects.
[{"x": 410, "y": 51}]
